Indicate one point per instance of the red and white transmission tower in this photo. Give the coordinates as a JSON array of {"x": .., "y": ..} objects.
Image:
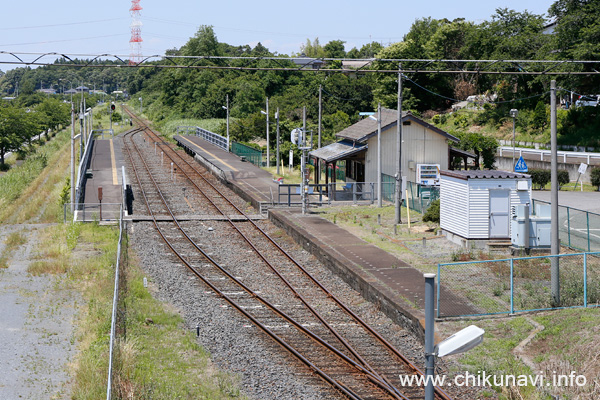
[{"x": 135, "y": 43}]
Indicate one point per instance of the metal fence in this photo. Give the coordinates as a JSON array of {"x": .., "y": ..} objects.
[
  {"x": 577, "y": 229},
  {"x": 121, "y": 259},
  {"x": 210, "y": 137},
  {"x": 249, "y": 153},
  {"x": 82, "y": 169},
  {"x": 509, "y": 286},
  {"x": 91, "y": 212},
  {"x": 420, "y": 196}
]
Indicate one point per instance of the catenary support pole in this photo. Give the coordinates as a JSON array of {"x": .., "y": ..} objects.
[
  {"x": 268, "y": 144},
  {"x": 555, "y": 240},
  {"x": 72, "y": 155},
  {"x": 379, "y": 191},
  {"x": 277, "y": 137},
  {"x": 398, "y": 193}
]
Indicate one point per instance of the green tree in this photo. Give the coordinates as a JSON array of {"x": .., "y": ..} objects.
[
  {"x": 312, "y": 49},
  {"x": 16, "y": 127},
  {"x": 540, "y": 116},
  {"x": 204, "y": 43},
  {"x": 335, "y": 49},
  {"x": 484, "y": 147}
]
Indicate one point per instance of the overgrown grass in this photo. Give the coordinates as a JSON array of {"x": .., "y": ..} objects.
[
  {"x": 11, "y": 243},
  {"x": 86, "y": 254},
  {"x": 35, "y": 188}
]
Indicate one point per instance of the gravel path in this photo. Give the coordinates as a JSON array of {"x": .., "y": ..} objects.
[{"x": 37, "y": 340}]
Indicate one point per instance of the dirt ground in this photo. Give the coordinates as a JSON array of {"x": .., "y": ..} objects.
[{"x": 37, "y": 338}]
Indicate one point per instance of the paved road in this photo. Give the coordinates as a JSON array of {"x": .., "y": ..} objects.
[{"x": 588, "y": 201}]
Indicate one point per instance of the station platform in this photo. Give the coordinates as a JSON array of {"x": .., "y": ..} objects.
[
  {"x": 395, "y": 286},
  {"x": 104, "y": 172},
  {"x": 254, "y": 184}
]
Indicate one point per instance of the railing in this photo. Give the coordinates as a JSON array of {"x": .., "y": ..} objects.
[
  {"x": 509, "y": 286},
  {"x": 249, "y": 153},
  {"x": 576, "y": 157},
  {"x": 210, "y": 137},
  {"x": 291, "y": 195},
  {"x": 83, "y": 165},
  {"x": 577, "y": 229},
  {"x": 113, "y": 323},
  {"x": 92, "y": 212}
]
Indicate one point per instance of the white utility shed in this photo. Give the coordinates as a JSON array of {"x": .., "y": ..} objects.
[{"x": 477, "y": 204}]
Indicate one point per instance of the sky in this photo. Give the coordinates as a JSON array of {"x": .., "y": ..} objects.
[{"x": 100, "y": 27}]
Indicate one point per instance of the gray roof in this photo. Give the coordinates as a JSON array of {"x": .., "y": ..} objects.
[
  {"x": 366, "y": 128},
  {"x": 336, "y": 151},
  {"x": 485, "y": 174}
]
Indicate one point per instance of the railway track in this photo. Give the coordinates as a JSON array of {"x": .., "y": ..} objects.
[{"x": 321, "y": 331}]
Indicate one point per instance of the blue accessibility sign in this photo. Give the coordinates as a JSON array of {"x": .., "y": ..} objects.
[{"x": 521, "y": 166}]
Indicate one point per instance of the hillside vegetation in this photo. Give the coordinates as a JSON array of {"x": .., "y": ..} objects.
[{"x": 200, "y": 94}]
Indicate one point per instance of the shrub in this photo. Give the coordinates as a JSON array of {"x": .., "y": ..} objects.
[
  {"x": 540, "y": 177},
  {"x": 595, "y": 173},
  {"x": 433, "y": 212},
  {"x": 563, "y": 177}
]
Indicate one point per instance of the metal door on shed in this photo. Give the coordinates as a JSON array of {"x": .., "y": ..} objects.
[{"x": 499, "y": 213}]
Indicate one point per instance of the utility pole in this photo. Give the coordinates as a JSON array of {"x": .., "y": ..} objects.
[
  {"x": 277, "y": 130},
  {"x": 227, "y": 105},
  {"x": 303, "y": 188},
  {"x": 72, "y": 155},
  {"x": 398, "y": 193},
  {"x": 318, "y": 164},
  {"x": 379, "y": 191},
  {"x": 268, "y": 153},
  {"x": 320, "y": 113},
  {"x": 555, "y": 240}
]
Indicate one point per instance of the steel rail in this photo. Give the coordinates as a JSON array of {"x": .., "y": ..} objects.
[
  {"x": 307, "y": 332},
  {"x": 338, "y": 336},
  {"x": 440, "y": 393}
]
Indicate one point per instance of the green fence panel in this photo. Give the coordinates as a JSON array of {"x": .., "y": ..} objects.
[
  {"x": 251, "y": 154},
  {"x": 515, "y": 285}
]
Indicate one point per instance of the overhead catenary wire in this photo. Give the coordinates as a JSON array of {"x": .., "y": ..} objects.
[{"x": 152, "y": 61}]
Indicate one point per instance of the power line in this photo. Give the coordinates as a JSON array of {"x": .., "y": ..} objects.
[
  {"x": 65, "y": 24},
  {"x": 307, "y": 64}
]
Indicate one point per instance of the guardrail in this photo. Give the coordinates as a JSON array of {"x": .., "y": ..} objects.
[
  {"x": 577, "y": 229},
  {"x": 210, "y": 137},
  {"x": 547, "y": 154},
  {"x": 509, "y": 286},
  {"x": 81, "y": 171}
]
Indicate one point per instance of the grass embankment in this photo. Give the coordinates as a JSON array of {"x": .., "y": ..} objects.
[
  {"x": 157, "y": 358},
  {"x": 29, "y": 192},
  {"x": 568, "y": 342}
]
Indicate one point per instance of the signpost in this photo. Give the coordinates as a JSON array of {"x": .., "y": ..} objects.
[
  {"x": 582, "y": 168},
  {"x": 521, "y": 166}
]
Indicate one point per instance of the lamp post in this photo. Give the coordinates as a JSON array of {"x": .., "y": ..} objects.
[
  {"x": 226, "y": 108},
  {"x": 460, "y": 342},
  {"x": 514, "y": 113},
  {"x": 267, "y": 114},
  {"x": 378, "y": 119}
]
